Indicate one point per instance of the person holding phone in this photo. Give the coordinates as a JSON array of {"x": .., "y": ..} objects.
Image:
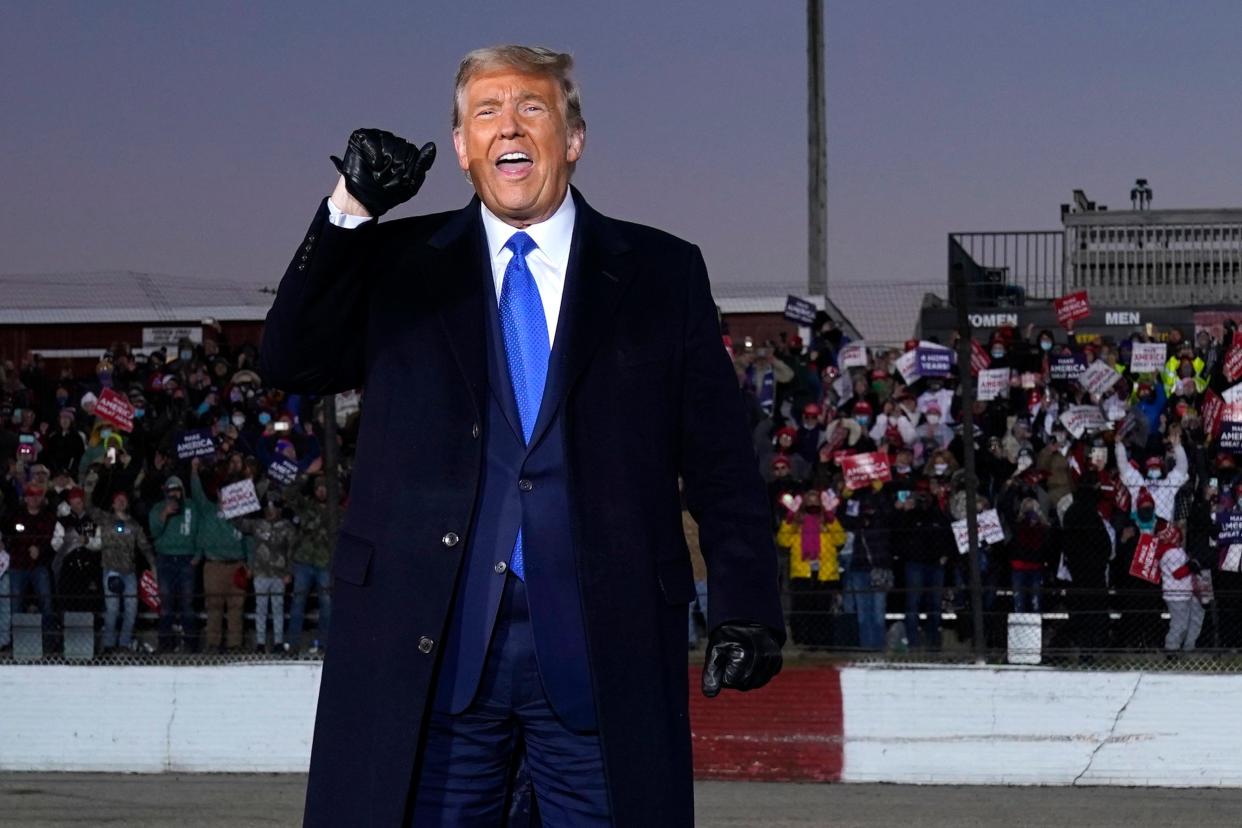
[{"x": 122, "y": 541}]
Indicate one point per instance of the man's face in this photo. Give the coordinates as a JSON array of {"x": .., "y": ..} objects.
[{"x": 518, "y": 117}]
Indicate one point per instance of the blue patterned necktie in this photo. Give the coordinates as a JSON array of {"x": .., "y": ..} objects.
[{"x": 525, "y": 330}]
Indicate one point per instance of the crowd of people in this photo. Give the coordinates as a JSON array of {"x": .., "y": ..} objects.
[
  {"x": 1087, "y": 484},
  {"x": 89, "y": 505},
  {"x": 1082, "y": 501}
]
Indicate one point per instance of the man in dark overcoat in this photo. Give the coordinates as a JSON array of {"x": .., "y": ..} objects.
[{"x": 511, "y": 578}]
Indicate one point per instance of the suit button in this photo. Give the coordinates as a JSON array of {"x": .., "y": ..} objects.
[
  {"x": 525, "y": 485},
  {"x": 450, "y": 539},
  {"x": 310, "y": 238},
  {"x": 302, "y": 266},
  {"x": 425, "y": 645},
  {"x": 500, "y": 567},
  {"x": 475, "y": 431}
]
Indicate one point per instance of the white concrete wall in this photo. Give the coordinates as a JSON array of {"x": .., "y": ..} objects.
[
  {"x": 924, "y": 725},
  {"x": 235, "y": 718},
  {"x": 1039, "y": 726}
]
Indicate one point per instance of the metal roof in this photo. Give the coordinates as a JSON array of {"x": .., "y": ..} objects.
[{"x": 125, "y": 296}]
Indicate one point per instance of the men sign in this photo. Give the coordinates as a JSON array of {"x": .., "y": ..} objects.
[
  {"x": 116, "y": 409},
  {"x": 862, "y": 469}
]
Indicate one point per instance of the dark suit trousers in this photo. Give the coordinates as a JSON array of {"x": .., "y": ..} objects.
[{"x": 467, "y": 758}]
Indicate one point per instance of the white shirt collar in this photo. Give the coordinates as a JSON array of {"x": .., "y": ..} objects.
[{"x": 553, "y": 236}]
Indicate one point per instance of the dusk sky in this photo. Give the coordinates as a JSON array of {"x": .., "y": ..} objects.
[{"x": 192, "y": 138}]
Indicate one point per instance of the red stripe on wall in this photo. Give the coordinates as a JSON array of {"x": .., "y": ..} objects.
[{"x": 789, "y": 731}]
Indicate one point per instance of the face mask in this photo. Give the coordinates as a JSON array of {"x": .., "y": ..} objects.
[
  {"x": 185, "y": 355},
  {"x": 935, "y": 386},
  {"x": 902, "y": 469},
  {"x": 1045, "y": 345},
  {"x": 202, "y": 407},
  {"x": 933, "y": 419},
  {"x": 998, "y": 353},
  {"x": 235, "y": 395},
  {"x": 1153, "y": 474},
  {"x": 864, "y": 420},
  {"x": 940, "y": 469},
  {"x": 265, "y": 418},
  {"x": 1146, "y": 513},
  {"x": 239, "y": 420},
  {"x": 138, "y": 412},
  {"x": 105, "y": 433}
]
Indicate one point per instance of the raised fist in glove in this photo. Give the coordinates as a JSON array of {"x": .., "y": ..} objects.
[
  {"x": 741, "y": 656},
  {"x": 383, "y": 170}
]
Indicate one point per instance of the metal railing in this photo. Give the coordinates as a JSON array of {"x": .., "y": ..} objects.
[{"x": 1008, "y": 269}]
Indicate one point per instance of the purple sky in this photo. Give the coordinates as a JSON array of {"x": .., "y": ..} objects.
[{"x": 192, "y": 138}]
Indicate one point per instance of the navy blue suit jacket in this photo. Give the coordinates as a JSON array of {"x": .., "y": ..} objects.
[{"x": 643, "y": 392}]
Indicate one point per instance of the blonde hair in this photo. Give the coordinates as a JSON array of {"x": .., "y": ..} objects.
[{"x": 532, "y": 59}]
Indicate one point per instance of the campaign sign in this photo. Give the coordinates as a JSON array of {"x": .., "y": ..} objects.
[
  {"x": 149, "y": 591},
  {"x": 993, "y": 383},
  {"x": 1230, "y": 527},
  {"x": 1071, "y": 307},
  {"x": 990, "y": 530},
  {"x": 1082, "y": 418},
  {"x": 1148, "y": 357},
  {"x": 906, "y": 364},
  {"x": 1145, "y": 564},
  {"x": 979, "y": 357},
  {"x": 933, "y": 362},
  {"x": 197, "y": 443},
  {"x": 799, "y": 310},
  {"x": 1066, "y": 366},
  {"x": 1098, "y": 377},
  {"x": 853, "y": 355},
  {"x": 1213, "y": 413},
  {"x": 1231, "y": 437},
  {"x": 237, "y": 499},
  {"x": 116, "y": 409},
  {"x": 861, "y": 469},
  {"x": 283, "y": 471},
  {"x": 1233, "y": 358}
]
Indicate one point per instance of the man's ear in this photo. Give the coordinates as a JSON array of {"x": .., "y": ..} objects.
[
  {"x": 577, "y": 139},
  {"x": 459, "y": 145}
]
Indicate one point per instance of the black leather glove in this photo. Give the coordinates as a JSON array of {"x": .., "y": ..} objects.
[
  {"x": 741, "y": 656},
  {"x": 1194, "y": 566},
  {"x": 383, "y": 170}
]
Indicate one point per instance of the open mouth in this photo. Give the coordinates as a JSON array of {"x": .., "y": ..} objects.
[{"x": 514, "y": 164}]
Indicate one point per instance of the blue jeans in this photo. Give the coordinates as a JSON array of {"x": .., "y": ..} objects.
[
  {"x": 176, "y": 577},
  {"x": 112, "y": 607},
  {"x": 304, "y": 576},
  {"x": 1026, "y": 587},
  {"x": 39, "y": 579},
  {"x": 468, "y": 756},
  {"x": 924, "y": 586},
  {"x": 700, "y": 588},
  {"x": 869, "y": 604}
]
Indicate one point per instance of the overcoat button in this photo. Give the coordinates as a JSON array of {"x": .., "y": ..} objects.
[
  {"x": 425, "y": 645},
  {"x": 474, "y": 431},
  {"x": 500, "y": 567},
  {"x": 450, "y": 539},
  {"x": 525, "y": 485}
]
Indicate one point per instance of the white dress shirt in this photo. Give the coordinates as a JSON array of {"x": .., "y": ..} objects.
[{"x": 548, "y": 262}]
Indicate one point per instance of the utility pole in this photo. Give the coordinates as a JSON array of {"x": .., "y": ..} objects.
[{"x": 817, "y": 153}]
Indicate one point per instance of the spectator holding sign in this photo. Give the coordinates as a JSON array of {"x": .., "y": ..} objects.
[
  {"x": 223, "y": 550},
  {"x": 813, "y": 538},
  {"x": 174, "y": 533},
  {"x": 270, "y": 561}
]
